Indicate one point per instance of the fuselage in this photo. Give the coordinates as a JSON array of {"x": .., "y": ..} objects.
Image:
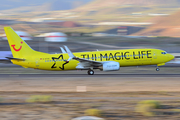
[{"x": 128, "y": 57}]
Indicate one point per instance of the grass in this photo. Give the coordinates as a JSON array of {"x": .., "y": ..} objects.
[
  {"x": 93, "y": 112},
  {"x": 163, "y": 93},
  {"x": 40, "y": 99},
  {"x": 114, "y": 109},
  {"x": 147, "y": 107}
]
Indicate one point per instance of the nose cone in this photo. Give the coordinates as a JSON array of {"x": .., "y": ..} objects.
[{"x": 170, "y": 57}]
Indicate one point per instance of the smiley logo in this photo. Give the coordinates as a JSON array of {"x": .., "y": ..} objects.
[{"x": 15, "y": 48}]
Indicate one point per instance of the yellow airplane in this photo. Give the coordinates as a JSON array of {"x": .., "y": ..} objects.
[{"x": 112, "y": 60}]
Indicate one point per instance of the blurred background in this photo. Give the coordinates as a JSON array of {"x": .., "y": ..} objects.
[
  {"x": 79, "y": 17},
  {"x": 90, "y": 25},
  {"x": 143, "y": 21}
]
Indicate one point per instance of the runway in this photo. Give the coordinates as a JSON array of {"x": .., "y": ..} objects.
[
  {"x": 89, "y": 76},
  {"x": 73, "y": 82}
]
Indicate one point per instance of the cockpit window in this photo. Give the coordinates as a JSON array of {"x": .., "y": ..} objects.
[{"x": 163, "y": 53}]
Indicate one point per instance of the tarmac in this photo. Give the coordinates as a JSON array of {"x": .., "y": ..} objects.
[{"x": 86, "y": 76}]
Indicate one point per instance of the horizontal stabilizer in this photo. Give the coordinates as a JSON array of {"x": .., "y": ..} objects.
[
  {"x": 11, "y": 58},
  {"x": 5, "y": 60}
]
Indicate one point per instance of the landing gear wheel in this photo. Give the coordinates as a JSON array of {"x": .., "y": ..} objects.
[
  {"x": 90, "y": 72},
  {"x": 157, "y": 69}
]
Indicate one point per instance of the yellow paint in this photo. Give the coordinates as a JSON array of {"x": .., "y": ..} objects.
[
  {"x": 161, "y": 64},
  {"x": 44, "y": 61}
]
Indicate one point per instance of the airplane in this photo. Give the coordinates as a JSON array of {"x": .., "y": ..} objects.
[{"x": 112, "y": 60}]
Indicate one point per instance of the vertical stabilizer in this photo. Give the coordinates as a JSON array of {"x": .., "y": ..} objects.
[{"x": 19, "y": 47}]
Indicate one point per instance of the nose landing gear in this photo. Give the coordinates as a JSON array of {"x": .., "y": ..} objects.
[{"x": 157, "y": 68}]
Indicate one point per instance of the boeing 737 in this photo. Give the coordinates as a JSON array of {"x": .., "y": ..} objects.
[{"x": 111, "y": 60}]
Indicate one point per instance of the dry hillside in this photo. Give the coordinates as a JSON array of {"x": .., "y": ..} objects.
[
  {"x": 109, "y": 3},
  {"x": 164, "y": 26}
]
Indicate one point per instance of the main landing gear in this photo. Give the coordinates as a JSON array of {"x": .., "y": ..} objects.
[{"x": 90, "y": 72}]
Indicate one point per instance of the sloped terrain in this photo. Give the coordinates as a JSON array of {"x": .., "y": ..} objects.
[
  {"x": 123, "y": 10},
  {"x": 98, "y": 4},
  {"x": 164, "y": 26}
]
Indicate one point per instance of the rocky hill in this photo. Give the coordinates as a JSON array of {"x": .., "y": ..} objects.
[{"x": 164, "y": 26}]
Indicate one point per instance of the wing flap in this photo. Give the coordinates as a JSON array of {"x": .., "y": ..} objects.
[{"x": 91, "y": 62}]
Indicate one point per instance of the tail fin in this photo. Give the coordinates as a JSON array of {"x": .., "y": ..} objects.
[{"x": 19, "y": 47}]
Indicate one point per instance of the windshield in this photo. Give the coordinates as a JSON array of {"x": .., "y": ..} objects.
[{"x": 163, "y": 53}]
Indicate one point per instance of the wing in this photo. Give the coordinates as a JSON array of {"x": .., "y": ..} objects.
[
  {"x": 88, "y": 62},
  {"x": 84, "y": 63}
]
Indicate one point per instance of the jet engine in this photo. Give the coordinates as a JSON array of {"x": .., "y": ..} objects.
[{"x": 110, "y": 66}]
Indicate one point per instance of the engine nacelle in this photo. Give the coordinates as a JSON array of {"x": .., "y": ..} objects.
[{"x": 110, "y": 66}]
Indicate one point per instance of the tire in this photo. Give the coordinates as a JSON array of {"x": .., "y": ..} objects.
[
  {"x": 90, "y": 72},
  {"x": 157, "y": 69}
]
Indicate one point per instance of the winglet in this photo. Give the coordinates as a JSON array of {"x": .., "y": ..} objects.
[
  {"x": 69, "y": 52},
  {"x": 63, "y": 51}
]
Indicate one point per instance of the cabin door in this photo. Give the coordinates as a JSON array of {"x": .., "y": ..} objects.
[
  {"x": 155, "y": 55},
  {"x": 37, "y": 62}
]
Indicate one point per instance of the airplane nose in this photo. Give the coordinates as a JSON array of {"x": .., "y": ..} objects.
[{"x": 171, "y": 57}]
